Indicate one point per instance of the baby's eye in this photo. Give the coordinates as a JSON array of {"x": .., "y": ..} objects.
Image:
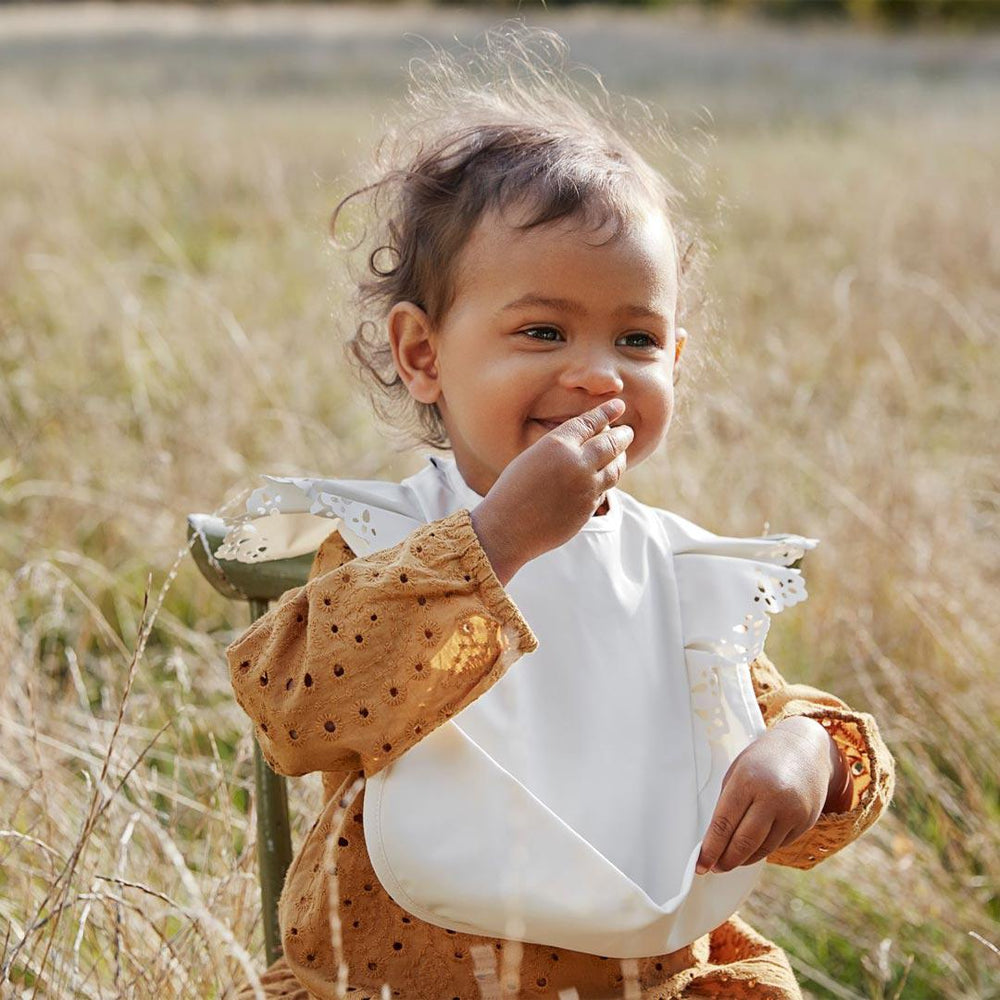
[
  {"x": 543, "y": 332},
  {"x": 650, "y": 341}
]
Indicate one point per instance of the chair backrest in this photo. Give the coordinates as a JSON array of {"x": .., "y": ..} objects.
[
  {"x": 261, "y": 581},
  {"x": 258, "y": 584}
]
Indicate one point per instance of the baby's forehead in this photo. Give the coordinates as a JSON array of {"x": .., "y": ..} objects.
[{"x": 501, "y": 249}]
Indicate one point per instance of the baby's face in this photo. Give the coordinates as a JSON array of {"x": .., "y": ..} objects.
[{"x": 546, "y": 325}]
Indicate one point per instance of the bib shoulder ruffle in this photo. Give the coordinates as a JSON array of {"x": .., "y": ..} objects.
[
  {"x": 288, "y": 517},
  {"x": 729, "y": 587}
]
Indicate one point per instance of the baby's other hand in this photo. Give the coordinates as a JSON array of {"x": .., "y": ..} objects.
[{"x": 772, "y": 793}]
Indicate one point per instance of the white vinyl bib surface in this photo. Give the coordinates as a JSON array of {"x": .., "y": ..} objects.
[{"x": 567, "y": 804}]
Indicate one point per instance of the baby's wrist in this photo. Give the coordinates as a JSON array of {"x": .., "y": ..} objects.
[{"x": 495, "y": 542}]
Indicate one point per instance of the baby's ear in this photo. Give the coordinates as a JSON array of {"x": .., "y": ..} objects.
[
  {"x": 414, "y": 350},
  {"x": 680, "y": 339}
]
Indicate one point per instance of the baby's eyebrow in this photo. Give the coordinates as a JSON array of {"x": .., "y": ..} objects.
[
  {"x": 546, "y": 302},
  {"x": 570, "y": 306}
]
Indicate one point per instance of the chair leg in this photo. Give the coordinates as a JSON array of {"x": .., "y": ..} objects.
[{"x": 274, "y": 838}]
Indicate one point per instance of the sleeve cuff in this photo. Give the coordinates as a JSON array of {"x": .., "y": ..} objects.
[
  {"x": 872, "y": 773},
  {"x": 477, "y": 569}
]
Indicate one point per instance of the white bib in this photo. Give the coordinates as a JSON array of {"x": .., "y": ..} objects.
[{"x": 567, "y": 805}]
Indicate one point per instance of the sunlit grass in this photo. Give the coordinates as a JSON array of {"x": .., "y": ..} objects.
[{"x": 168, "y": 329}]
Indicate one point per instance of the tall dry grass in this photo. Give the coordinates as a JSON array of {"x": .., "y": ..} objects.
[{"x": 167, "y": 332}]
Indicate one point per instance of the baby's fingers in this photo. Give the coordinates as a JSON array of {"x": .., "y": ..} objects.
[
  {"x": 729, "y": 813},
  {"x": 754, "y": 831},
  {"x": 776, "y": 838},
  {"x": 600, "y": 451},
  {"x": 591, "y": 423}
]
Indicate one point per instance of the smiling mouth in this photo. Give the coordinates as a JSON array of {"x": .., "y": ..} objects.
[
  {"x": 552, "y": 424},
  {"x": 547, "y": 424}
]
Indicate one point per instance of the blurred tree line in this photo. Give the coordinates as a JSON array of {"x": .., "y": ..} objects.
[
  {"x": 887, "y": 12},
  {"x": 895, "y": 13}
]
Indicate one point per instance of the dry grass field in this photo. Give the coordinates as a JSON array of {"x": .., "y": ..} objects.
[{"x": 170, "y": 315}]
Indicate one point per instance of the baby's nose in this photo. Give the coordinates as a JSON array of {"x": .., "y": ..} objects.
[{"x": 597, "y": 374}]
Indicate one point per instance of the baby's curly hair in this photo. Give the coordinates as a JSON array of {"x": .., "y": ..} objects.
[{"x": 495, "y": 128}]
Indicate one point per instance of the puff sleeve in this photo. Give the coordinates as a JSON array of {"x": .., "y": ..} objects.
[
  {"x": 856, "y": 735},
  {"x": 373, "y": 653}
]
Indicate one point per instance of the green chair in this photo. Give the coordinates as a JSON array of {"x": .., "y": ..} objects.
[{"x": 258, "y": 584}]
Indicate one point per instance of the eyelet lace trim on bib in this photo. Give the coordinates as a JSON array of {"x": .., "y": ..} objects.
[{"x": 290, "y": 517}]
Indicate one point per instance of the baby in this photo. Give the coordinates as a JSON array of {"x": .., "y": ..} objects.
[{"x": 592, "y": 817}]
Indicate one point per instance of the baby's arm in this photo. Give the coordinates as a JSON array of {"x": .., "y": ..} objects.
[
  {"x": 869, "y": 763},
  {"x": 373, "y": 653}
]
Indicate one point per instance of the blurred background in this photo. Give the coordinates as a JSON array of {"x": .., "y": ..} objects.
[{"x": 171, "y": 315}]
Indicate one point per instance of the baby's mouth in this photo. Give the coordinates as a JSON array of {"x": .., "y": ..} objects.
[{"x": 547, "y": 424}]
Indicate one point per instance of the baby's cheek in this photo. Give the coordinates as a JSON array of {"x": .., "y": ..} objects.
[{"x": 650, "y": 429}]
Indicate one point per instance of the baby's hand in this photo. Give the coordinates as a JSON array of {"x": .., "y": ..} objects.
[
  {"x": 772, "y": 793},
  {"x": 552, "y": 489}
]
